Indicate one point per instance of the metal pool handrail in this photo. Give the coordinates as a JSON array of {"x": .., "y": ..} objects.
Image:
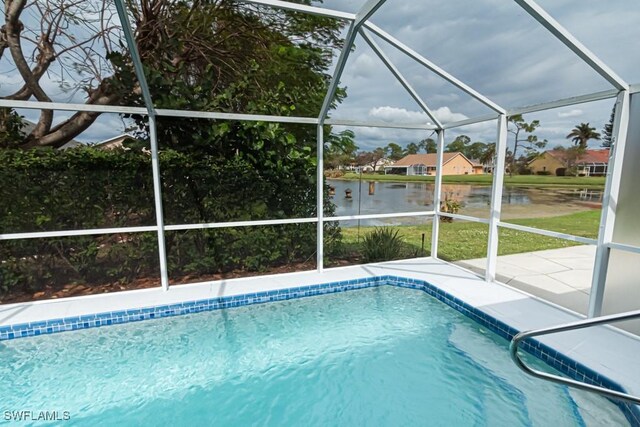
[{"x": 581, "y": 324}]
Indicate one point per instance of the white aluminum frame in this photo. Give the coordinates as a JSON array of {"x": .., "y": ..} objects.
[
  {"x": 437, "y": 194},
  {"x": 71, "y": 233},
  {"x": 153, "y": 138},
  {"x": 549, "y": 233},
  {"x": 432, "y": 67},
  {"x": 365, "y": 13},
  {"x": 465, "y": 217},
  {"x": 379, "y": 216},
  {"x": 496, "y": 199},
  {"x": 609, "y": 204},
  {"x": 562, "y": 34},
  {"x": 624, "y": 247},
  {"x": 311, "y": 10},
  {"x": 320, "y": 198},
  {"x": 359, "y": 23},
  {"x": 405, "y": 84}
]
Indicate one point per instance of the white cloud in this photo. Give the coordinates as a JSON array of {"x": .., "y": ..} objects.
[
  {"x": 402, "y": 115},
  {"x": 445, "y": 115},
  {"x": 368, "y": 138},
  {"x": 573, "y": 113},
  {"x": 364, "y": 66},
  {"x": 397, "y": 115}
]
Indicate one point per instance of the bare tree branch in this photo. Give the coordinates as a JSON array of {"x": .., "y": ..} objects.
[
  {"x": 13, "y": 28},
  {"x": 78, "y": 44},
  {"x": 76, "y": 124},
  {"x": 58, "y": 40}
]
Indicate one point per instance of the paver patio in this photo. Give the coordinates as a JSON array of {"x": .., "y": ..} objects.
[{"x": 561, "y": 276}]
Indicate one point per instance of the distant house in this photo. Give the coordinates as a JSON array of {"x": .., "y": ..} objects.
[
  {"x": 381, "y": 164},
  {"x": 425, "y": 164},
  {"x": 112, "y": 143},
  {"x": 555, "y": 162},
  {"x": 487, "y": 167}
]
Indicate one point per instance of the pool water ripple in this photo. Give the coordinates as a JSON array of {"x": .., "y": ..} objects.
[{"x": 377, "y": 356}]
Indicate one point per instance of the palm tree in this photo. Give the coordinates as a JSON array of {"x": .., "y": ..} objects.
[
  {"x": 582, "y": 133},
  {"x": 488, "y": 156}
]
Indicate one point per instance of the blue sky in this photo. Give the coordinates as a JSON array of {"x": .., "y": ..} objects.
[{"x": 492, "y": 45}]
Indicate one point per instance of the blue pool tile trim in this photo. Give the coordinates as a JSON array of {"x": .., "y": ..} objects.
[{"x": 553, "y": 358}]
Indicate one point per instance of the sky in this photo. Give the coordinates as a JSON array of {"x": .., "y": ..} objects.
[
  {"x": 491, "y": 45},
  {"x": 498, "y": 50}
]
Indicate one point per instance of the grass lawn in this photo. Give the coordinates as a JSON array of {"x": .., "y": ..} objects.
[
  {"x": 529, "y": 180},
  {"x": 461, "y": 240}
]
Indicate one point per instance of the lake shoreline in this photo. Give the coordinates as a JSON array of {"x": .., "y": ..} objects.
[
  {"x": 518, "y": 201},
  {"x": 486, "y": 180}
]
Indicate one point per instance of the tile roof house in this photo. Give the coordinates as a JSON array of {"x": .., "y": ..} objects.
[
  {"x": 113, "y": 143},
  {"x": 555, "y": 162},
  {"x": 425, "y": 164}
]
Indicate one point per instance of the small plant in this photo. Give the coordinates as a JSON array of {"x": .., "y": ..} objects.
[
  {"x": 333, "y": 173},
  {"x": 449, "y": 205},
  {"x": 382, "y": 244}
]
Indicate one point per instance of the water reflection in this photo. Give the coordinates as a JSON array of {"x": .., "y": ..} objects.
[{"x": 518, "y": 201}]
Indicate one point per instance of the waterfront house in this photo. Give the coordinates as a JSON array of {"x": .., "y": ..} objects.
[
  {"x": 425, "y": 164},
  {"x": 556, "y": 162}
]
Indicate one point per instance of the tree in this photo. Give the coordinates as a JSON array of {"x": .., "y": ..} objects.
[
  {"x": 458, "y": 145},
  {"x": 582, "y": 133},
  {"x": 378, "y": 155},
  {"x": 11, "y": 125},
  {"x": 370, "y": 158},
  {"x": 364, "y": 158},
  {"x": 488, "y": 155},
  {"x": 214, "y": 55},
  {"x": 523, "y": 136},
  {"x": 570, "y": 157},
  {"x": 394, "y": 151},
  {"x": 62, "y": 39},
  {"x": 475, "y": 150},
  {"x": 340, "y": 149},
  {"x": 607, "y": 131},
  {"x": 428, "y": 145},
  {"x": 463, "y": 145},
  {"x": 412, "y": 148}
]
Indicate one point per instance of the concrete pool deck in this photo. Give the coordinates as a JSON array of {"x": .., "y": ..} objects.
[{"x": 561, "y": 276}]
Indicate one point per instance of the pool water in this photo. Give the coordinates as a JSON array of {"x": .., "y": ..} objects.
[{"x": 377, "y": 356}]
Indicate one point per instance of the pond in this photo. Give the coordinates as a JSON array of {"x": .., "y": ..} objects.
[{"x": 517, "y": 201}]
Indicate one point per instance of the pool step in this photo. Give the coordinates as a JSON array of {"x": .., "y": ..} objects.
[
  {"x": 597, "y": 412},
  {"x": 493, "y": 357}
]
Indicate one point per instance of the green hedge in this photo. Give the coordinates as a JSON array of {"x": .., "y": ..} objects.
[{"x": 87, "y": 188}]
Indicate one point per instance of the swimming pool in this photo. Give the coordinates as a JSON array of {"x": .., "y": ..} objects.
[{"x": 375, "y": 356}]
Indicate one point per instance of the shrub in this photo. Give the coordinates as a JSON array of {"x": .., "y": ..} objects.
[
  {"x": 334, "y": 173},
  {"x": 85, "y": 188},
  {"x": 382, "y": 244},
  {"x": 449, "y": 205}
]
